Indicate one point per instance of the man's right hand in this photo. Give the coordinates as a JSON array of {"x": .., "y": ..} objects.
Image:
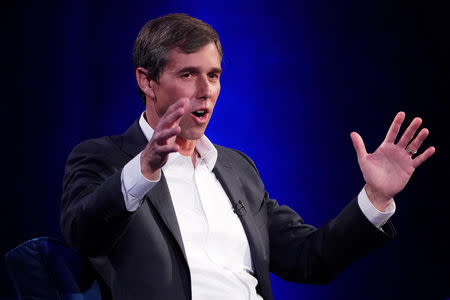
[{"x": 162, "y": 142}]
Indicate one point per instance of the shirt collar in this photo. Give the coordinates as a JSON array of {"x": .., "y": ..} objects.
[{"x": 203, "y": 146}]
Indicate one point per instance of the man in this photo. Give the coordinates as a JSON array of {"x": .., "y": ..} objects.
[{"x": 165, "y": 214}]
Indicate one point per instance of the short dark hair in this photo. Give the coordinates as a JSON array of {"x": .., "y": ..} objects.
[{"x": 160, "y": 35}]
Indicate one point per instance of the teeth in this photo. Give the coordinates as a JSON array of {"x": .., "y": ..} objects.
[{"x": 199, "y": 113}]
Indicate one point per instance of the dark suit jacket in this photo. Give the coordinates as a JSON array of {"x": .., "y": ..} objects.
[{"x": 140, "y": 255}]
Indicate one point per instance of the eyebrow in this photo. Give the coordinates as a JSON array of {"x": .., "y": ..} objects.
[{"x": 195, "y": 70}]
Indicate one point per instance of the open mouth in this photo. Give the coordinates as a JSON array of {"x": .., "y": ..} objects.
[
  {"x": 200, "y": 116},
  {"x": 199, "y": 113}
]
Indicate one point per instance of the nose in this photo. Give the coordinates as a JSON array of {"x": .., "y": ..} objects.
[{"x": 204, "y": 88}]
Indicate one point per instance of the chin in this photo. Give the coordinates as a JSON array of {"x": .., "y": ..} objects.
[{"x": 192, "y": 135}]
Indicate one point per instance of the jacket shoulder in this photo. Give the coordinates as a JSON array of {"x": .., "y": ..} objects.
[
  {"x": 100, "y": 156},
  {"x": 97, "y": 145},
  {"x": 235, "y": 157}
]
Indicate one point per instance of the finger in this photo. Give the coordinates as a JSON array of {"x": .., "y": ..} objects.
[
  {"x": 424, "y": 156},
  {"x": 176, "y": 105},
  {"x": 164, "y": 135},
  {"x": 174, "y": 113},
  {"x": 358, "y": 144},
  {"x": 185, "y": 105},
  {"x": 395, "y": 127},
  {"x": 409, "y": 132},
  {"x": 168, "y": 120},
  {"x": 415, "y": 144},
  {"x": 165, "y": 149},
  {"x": 180, "y": 103}
]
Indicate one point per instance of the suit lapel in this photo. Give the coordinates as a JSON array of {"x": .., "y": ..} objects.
[
  {"x": 134, "y": 142},
  {"x": 159, "y": 196},
  {"x": 232, "y": 185}
]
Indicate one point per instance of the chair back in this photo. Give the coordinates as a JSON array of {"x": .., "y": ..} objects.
[{"x": 46, "y": 268}]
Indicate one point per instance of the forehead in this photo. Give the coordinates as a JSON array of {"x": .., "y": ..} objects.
[{"x": 207, "y": 57}]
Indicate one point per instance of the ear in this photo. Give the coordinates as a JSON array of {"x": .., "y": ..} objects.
[{"x": 144, "y": 82}]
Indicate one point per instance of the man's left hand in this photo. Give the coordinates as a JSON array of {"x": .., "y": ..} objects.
[{"x": 388, "y": 169}]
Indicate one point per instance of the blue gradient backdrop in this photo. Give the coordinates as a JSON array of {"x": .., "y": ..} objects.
[{"x": 298, "y": 77}]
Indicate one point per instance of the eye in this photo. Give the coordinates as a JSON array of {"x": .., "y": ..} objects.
[
  {"x": 213, "y": 75},
  {"x": 186, "y": 75}
]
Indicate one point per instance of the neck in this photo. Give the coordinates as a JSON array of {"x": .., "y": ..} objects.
[{"x": 187, "y": 147}]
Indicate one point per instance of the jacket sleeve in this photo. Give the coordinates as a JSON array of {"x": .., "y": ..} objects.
[
  {"x": 93, "y": 212},
  {"x": 303, "y": 253}
]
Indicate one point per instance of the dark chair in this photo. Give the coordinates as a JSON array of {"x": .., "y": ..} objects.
[{"x": 47, "y": 269}]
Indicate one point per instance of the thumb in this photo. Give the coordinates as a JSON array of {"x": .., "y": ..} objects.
[{"x": 358, "y": 144}]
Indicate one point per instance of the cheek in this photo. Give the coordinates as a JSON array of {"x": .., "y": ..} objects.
[
  {"x": 217, "y": 87},
  {"x": 216, "y": 94},
  {"x": 182, "y": 90},
  {"x": 218, "y": 91},
  {"x": 172, "y": 93}
]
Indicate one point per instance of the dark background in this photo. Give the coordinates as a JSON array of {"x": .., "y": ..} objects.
[{"x": 298, "y": 78}]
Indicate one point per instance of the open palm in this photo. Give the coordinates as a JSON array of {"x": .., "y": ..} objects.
[{"x": 388, "y": 169}]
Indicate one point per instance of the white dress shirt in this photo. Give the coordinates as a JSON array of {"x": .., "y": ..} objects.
[{"x": 215, "y": 242}]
